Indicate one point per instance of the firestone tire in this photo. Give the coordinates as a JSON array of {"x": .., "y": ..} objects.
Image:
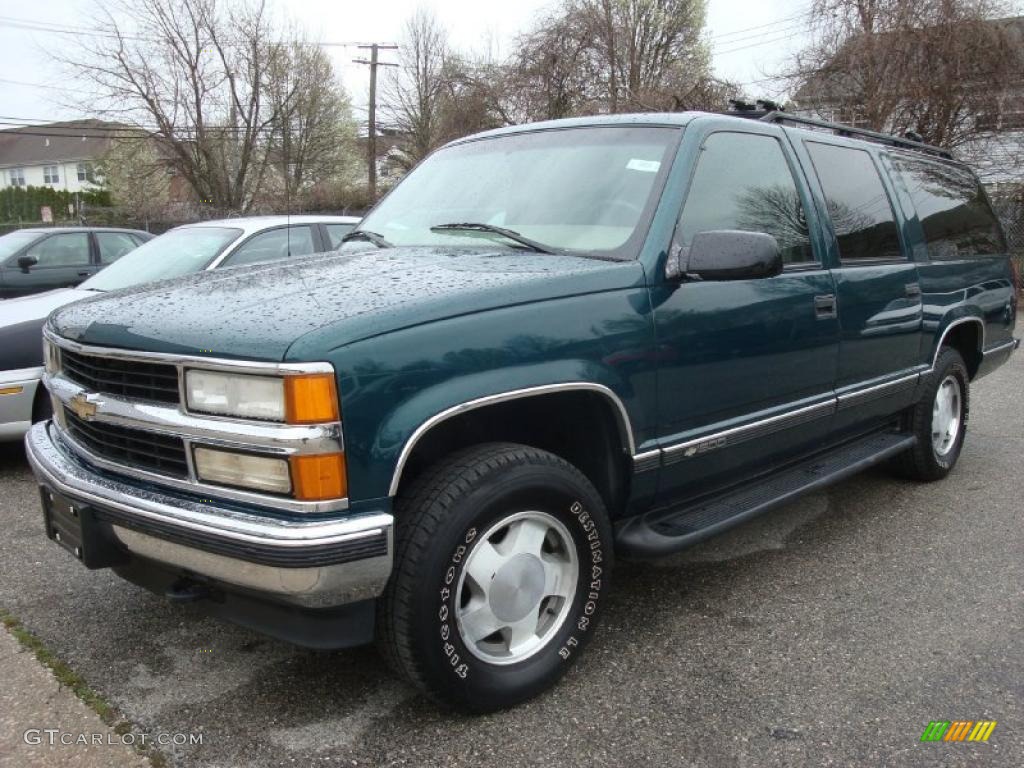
[
  {"x": 494, "y": 498},
  {"x": 936, "y": 451}
]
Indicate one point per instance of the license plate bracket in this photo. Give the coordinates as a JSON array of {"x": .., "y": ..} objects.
[{"x": 74, "y": 527}]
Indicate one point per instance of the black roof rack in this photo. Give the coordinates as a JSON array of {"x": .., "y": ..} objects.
[{"x": 778, "y": 116}]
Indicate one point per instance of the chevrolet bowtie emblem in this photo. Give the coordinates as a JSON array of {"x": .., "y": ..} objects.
[{"x": 82, "y": 406}]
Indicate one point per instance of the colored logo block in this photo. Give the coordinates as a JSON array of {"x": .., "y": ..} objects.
[{"x": 958, "y": 730}]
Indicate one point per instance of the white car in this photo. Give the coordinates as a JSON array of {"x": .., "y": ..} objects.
[{"x": 190, "y": 248}]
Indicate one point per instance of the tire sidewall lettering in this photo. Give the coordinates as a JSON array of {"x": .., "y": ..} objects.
[{"x": 590, "y": 587}]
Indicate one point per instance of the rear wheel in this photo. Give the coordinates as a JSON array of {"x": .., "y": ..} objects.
[
  {"x": 939, "y": 420},
  {"x": 502, "y": 560}
]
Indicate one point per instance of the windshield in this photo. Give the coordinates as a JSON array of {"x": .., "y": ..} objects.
[
  {"x": 13, "y": 242},
  {"x": 582, "y": 189},
  {"x": 178, "y": 252}
]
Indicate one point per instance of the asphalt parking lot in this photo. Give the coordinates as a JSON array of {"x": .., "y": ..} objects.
[{"x": 828, "y": 633}]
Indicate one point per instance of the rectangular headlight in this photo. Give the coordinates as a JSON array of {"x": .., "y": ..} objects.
[
  {"x": 240, "y": 395},
  {"x": 243, "y": 470}
]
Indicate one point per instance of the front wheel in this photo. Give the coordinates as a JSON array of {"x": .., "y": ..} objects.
[
  {"x": 502, "y": 562},
  {"x": 939, "y": 420}
]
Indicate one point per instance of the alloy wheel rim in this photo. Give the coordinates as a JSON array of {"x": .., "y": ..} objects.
[
  {"x": 517, "y": 587},
  {"x": 947, "y": 415}
]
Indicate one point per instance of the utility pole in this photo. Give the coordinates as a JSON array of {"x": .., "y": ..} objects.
[{"x": 372, "y": 116}]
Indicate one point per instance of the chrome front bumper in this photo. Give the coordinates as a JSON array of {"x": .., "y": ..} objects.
[{"x": 312, "y": 563}]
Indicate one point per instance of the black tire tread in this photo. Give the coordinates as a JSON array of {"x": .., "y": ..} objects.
[
  {"x": 917, "y": 463},
  {"x": 419, "y": 511}
]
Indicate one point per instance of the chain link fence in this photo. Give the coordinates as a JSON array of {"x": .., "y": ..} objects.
[{"x": 1008, "y": 202}]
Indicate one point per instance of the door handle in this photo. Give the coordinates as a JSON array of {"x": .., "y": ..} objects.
[
  {"x": 83, "y": 274},
  {"x": 913, "y": 290},
  {"x": 825, "y": 307}
]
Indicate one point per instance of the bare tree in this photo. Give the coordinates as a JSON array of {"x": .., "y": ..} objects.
[
  {"x": 312, "y": 137},
  {"x": 136, "y": 176},
  {"x": 929, "y": 66},
  {"x": 414, "y": 94},
  {"x": 653, "y": 50},
  {"x": 590, "y": 56},
  {"x": 205, "y": 76}
]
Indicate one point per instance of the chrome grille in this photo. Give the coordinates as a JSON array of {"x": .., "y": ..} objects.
[
  {"x": 151, "y": 451},
  {"x": 124, "y": 378}
]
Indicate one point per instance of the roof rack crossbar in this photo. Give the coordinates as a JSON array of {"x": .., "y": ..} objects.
[{"x": 840, "y": 129}]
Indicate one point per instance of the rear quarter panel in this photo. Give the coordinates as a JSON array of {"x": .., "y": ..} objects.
[{"x": 980, "y": 287}]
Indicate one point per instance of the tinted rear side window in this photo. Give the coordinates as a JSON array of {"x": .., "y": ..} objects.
[
  {"x": 857, "y": 203},
  {"x": 955, "y": 214}
]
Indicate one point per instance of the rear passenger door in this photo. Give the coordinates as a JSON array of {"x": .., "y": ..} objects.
[
  {"x": 747, "y": 367},
  {"x": 878, "y": 293}
]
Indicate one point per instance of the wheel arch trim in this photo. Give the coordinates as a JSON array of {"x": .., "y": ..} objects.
[
  {"x": 953, "y": 324},
  {"x": 619, "y": 408}
]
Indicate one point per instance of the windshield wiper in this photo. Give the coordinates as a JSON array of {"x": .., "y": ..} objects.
[
  {"x": 365, "y": 234},
  {"x": 509, "y": 234}
]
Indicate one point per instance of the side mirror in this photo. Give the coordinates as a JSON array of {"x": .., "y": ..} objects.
[
  {"x": 27, "y": 262},
  {"x": 733, "y": 255}
]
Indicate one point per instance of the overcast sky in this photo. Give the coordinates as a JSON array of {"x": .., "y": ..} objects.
[{"x": 749, "y": 38}]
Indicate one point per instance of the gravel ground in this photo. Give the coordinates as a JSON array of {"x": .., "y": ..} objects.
[{"x": 828, "y": 633}]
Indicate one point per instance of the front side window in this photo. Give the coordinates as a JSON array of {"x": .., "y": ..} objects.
[
  {"x": 174, "y": 253},
  {"x": 743, "y": 182},
  {"x": 581, "y": 190},
  {"x": 13, "y": 242},
  {"x": 273, "y": 245},
  {"x": 51, "y": 174},
  {"x": 67, "y": 250},
  {"x": 17, "y": 176},
  {"x": 858, "y": 204},
  {"x": 955, "y": 215}
]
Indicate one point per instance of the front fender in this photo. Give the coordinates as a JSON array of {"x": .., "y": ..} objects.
[{"x": 394, "y": 388}]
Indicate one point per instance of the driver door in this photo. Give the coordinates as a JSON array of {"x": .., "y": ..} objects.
[
  {"x": 62, "y": 260},
  {"x": 749, "y": 365}
]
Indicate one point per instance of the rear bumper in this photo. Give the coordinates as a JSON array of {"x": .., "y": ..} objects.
[
  {"x": 16, "y": 406},
  {"x": 311, "y": 563}
]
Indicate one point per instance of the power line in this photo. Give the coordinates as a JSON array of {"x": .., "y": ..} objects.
[
  {"x": 64, "y": 29},
  {"x": 796, "y": 31},
  {"x": 777, "y": 22}
]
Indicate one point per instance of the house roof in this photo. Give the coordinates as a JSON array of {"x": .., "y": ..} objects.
[
  {"x": 55, "y": 142},
  {"x": 832, "y": 86}
]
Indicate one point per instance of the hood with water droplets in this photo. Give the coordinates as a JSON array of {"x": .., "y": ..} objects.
[{"x": 259, "y": 312}]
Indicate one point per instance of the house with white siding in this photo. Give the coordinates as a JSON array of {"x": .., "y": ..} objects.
[{"x": 60, "y": 155}]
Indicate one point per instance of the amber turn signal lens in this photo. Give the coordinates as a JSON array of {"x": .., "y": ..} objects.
[
  {"x": 318, "y": 477},
  {"x": 310, "y": 399}
]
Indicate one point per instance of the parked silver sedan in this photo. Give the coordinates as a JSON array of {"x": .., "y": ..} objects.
[{"x": 191, "y": 248}]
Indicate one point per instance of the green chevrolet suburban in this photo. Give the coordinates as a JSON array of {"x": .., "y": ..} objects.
[{"x": 549, "y": 346}]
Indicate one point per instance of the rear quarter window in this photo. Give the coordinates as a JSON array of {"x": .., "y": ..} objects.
[{"x": 955, "y": 214}]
